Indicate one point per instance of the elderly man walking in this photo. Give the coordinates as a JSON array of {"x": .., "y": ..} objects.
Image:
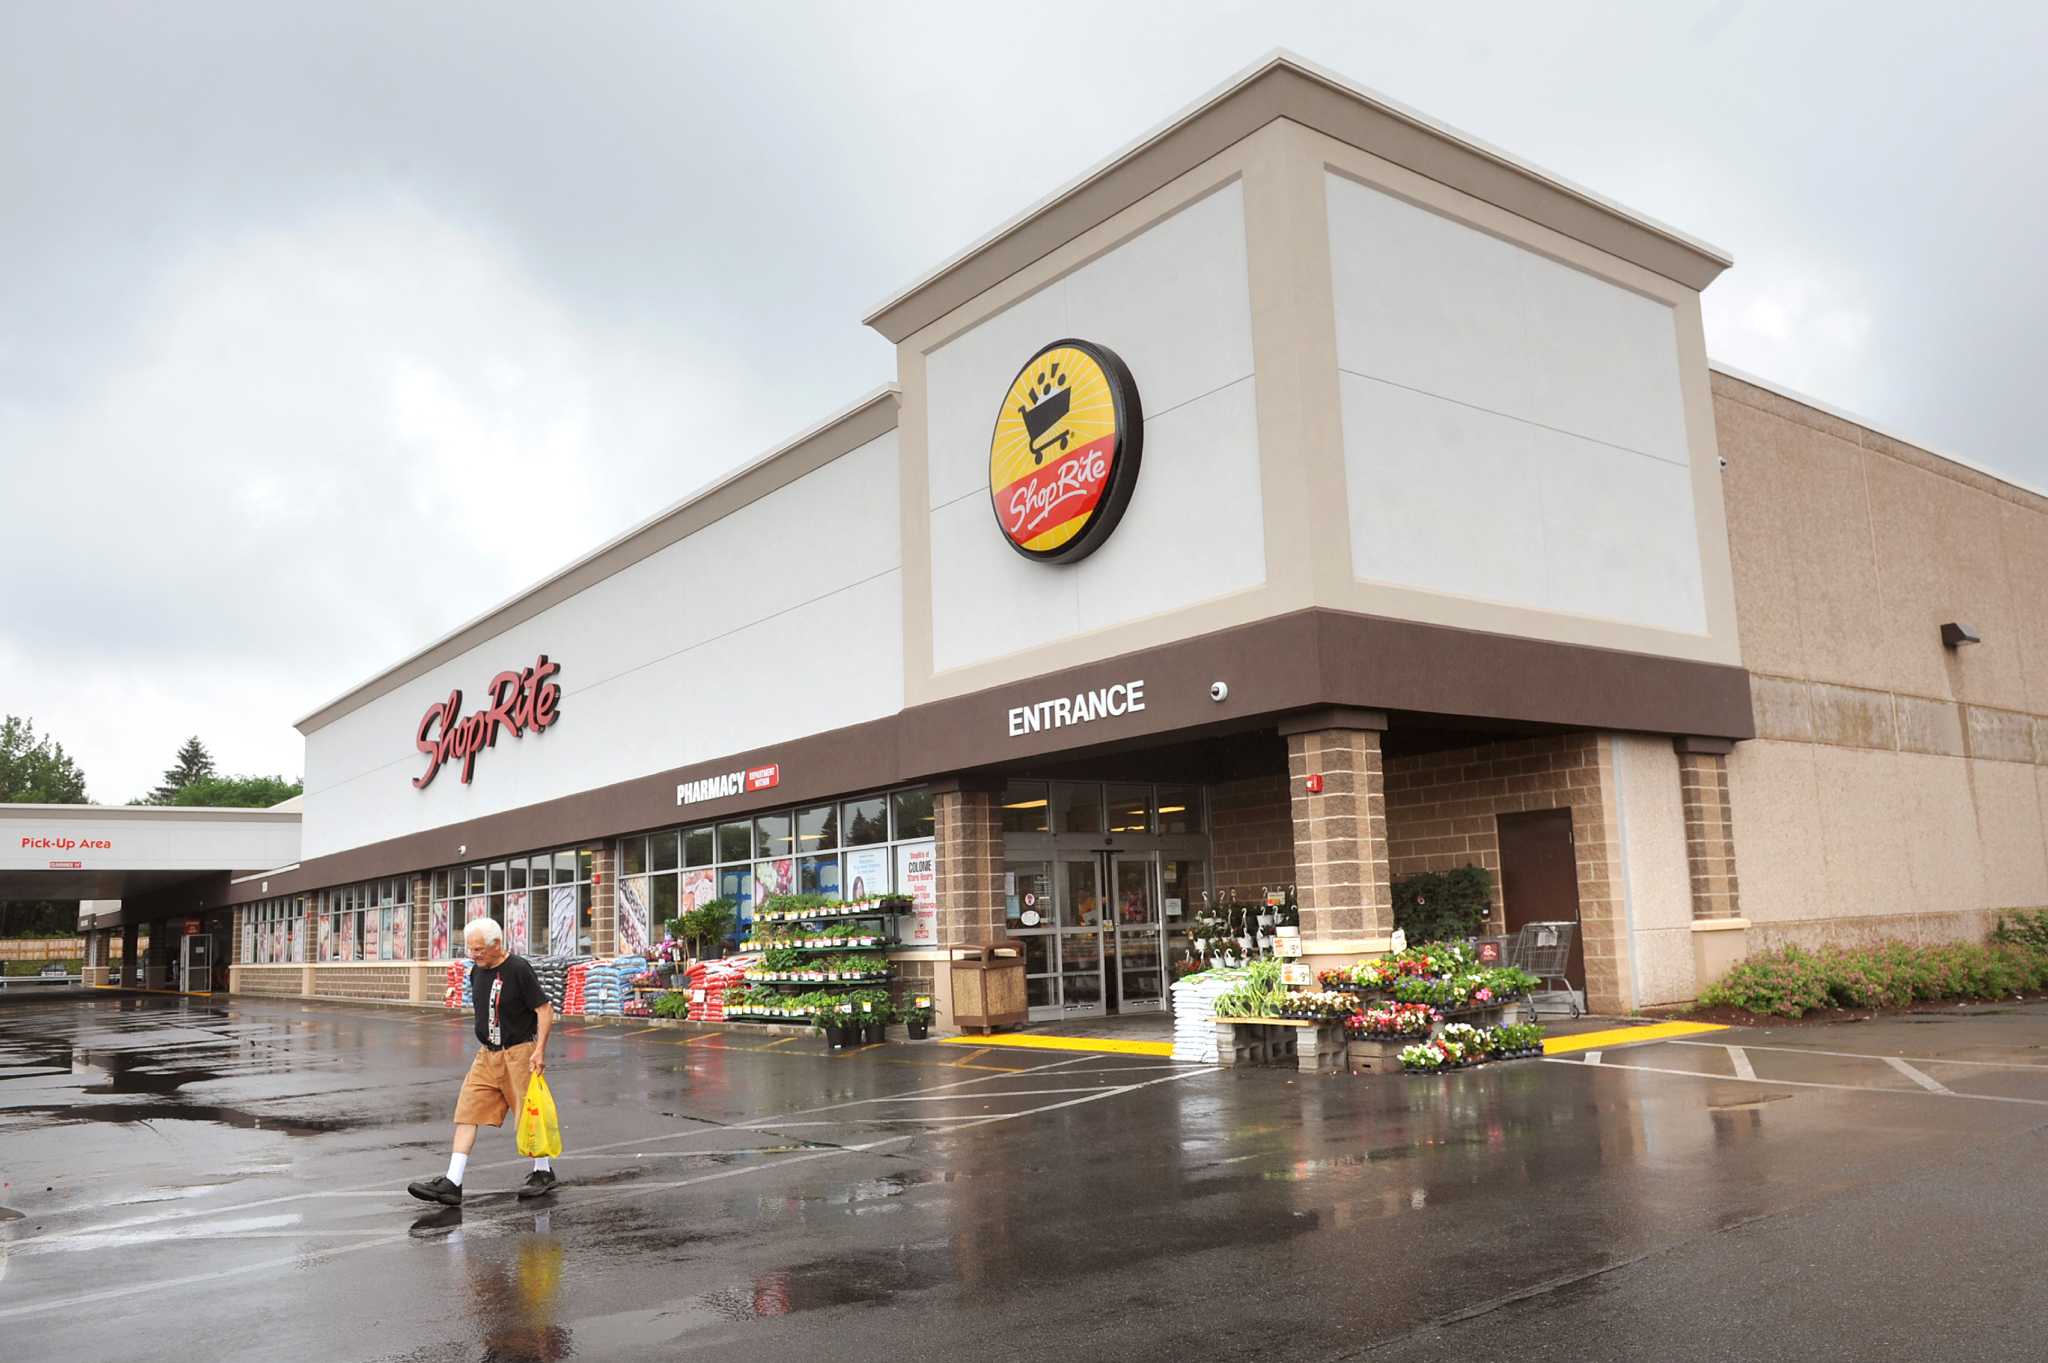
[{"x": 512, "y": 1021}]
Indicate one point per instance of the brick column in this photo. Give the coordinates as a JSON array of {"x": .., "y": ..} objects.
[
  {"x": 969, "y": 856},
  {"x": 422, "y": 906},
  {"x": 1709, "y": 827},
  {"x": 1340, "y": 833},
  {"x": 603, "y": 920}
]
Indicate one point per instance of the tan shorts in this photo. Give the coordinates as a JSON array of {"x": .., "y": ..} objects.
[{"x": 495, "y": 1085}]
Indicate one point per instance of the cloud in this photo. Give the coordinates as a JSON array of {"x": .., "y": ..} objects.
[{"x": 323, "y": 446}]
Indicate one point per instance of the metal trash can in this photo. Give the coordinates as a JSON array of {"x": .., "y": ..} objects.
[{"x": 988, "y": 987}]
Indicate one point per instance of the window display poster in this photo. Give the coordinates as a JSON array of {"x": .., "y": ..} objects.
[
  {"x": 437, "y": 931},
  {"x": 326, "y": 936},
  {"x": 479, "y": 907},
  {"x": 917, "y": 875},
  {"x": 867, "y": 872},
  {"x": 515, "y": 922},
  {"x": 398, "y": 935},
  {"x": 773, "y": 878},
  {"x": 633, "y": 916},
  {"x": 699, "y": 888},
  {"x": 373, "y": 940},
  {"x": 562, "y": 920}
]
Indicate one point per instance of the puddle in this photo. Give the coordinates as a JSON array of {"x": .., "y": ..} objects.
[
  {"x": 142, "y": 1114},
  {"x": 852, "y": 1280}
]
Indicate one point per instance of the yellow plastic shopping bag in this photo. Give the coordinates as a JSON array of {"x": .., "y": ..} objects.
[{"x": 539, "y": 1132}]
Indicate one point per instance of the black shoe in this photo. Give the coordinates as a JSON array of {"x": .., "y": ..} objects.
[
  {"x": 443, "y": 1190},
  {"x": 539, "y": 1183}
]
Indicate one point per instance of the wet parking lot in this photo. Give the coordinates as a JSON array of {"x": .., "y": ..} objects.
[{"x": 226, "y": 1182}]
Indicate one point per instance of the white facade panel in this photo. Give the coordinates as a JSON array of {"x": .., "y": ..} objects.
[
  {"x": 695, "y": 651},
  {"x": 1174, "y": 303},
  {"x": 1514, "y": 428}
]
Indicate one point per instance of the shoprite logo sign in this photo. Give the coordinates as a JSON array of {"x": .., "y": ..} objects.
[
  {"x": 1064, "y": 456},
  {"x": 519, "y": 701}
]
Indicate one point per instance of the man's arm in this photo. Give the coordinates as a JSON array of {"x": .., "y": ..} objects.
[{"x": 546, "y": 1015}]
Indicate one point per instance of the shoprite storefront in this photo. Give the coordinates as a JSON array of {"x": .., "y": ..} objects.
[{"x": 1306, "y": 497}]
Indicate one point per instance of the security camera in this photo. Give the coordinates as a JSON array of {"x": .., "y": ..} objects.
[{"x": 1219, "y": 691}]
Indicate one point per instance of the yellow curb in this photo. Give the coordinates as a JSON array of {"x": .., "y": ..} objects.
[
  {"x": 1031, "y": 1041},
  {"x": 1623, "y": 1036}
]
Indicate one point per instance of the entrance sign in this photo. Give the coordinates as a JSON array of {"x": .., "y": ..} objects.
[
  {"x": 1124, "y": 698},
  {"x": 519, "y": 701},
  {"x": 1064, "y": 455}
]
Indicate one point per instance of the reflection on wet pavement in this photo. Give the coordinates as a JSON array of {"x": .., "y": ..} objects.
[{"x": 777, "y": 1202}]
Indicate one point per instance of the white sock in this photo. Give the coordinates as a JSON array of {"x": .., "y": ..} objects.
[
  {"x": 543, "y": 1165},
  {"x": 456, "y": 1164}
]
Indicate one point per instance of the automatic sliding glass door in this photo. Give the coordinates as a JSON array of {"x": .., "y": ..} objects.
[{"x": 1140, "y": 941}]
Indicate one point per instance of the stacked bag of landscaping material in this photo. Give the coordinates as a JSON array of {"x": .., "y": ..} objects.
[
  {"x": 1194, "y": 1013},
  {"x": 554, "y": 976},
  {"x": 572, "y": 988},
  {"x": 714, "y": 978},
  {"x": 604, "y": 988},
  {"x": 456, "y": 994}
]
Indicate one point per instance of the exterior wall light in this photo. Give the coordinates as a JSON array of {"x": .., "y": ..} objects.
[{"x": 1955, "y": 635}]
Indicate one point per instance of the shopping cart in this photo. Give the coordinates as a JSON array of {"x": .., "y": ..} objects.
[
  {"x": 1047, "y": 409},
  {"x": 1545, "y": 951}
]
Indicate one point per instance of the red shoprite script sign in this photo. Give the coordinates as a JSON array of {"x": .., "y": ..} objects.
[{"x": 519, "y": 701}]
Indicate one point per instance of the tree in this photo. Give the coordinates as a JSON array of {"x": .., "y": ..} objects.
[
  {"x": 236, "y": 792},
  {"x": 34, "y": 771},
  {"x": 194, "y": 763}
]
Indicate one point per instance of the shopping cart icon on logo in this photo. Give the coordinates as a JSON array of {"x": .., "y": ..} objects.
[{"x": 1048, "y": 401}]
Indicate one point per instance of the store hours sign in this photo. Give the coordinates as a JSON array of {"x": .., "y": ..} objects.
[{"x": 518, "y": 703}]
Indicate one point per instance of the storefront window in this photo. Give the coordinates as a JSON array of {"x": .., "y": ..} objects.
[
  {"x": 772, "y": 836},
  {"x": 661, "y": 902},
  {"x": 633, "y": 857},
  {"x": 818, "y": 875},
  {"x": 736, "y": 841},
  {"x": 1130, "y": 809},
  {"x": 913, "y": 811},
  {"x": 1078, "y": 806},
  {"x": 1027, "y": 807},
  {"x": 661, "y": 852},
  {"x": 1180, "y": 809},
  {"x": 817, "y": 828},
  {"x": 865, "y": 821},
  {"x": 700, "y": 845}
]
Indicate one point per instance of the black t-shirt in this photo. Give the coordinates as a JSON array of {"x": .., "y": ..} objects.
[{"x": 518, "y": 1001}]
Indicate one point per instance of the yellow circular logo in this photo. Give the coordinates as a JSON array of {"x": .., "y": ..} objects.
[{"x": 1064, "y": 456}]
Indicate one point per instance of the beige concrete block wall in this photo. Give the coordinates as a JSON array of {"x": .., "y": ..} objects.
[
  {"x": 270, "y": 981},
  {"x": 1896, "y": 788}
]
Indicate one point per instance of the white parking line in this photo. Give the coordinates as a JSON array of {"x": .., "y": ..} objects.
[
  {"x": 1737, "y": 1057},
  {"x": 1866, "y": 1055},
  {"x": 1811, "y": 1084},
  {"x": 1923, "y": 1080}
]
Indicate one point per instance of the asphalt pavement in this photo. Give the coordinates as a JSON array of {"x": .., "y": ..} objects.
[{"x": 225, "y": 1181}]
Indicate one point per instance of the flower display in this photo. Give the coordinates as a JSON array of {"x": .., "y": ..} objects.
[{"x": 1393, "y": 1020}]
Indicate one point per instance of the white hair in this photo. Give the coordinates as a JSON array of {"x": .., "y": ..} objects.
[{"x": 486, "y": 929}]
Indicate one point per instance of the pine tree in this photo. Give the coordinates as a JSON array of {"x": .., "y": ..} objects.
[{"x": 194, "y": 763}]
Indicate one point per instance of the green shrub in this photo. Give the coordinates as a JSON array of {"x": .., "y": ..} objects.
[
  {"x": 1433, "y": 905},
  {"x": 1792, "y": 982},
  {"x": 2025, "y": 928}
]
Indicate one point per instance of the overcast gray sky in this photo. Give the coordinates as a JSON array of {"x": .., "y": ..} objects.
[{"x": 323, "y": 328}]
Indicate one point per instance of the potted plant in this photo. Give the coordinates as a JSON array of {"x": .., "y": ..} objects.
[
  {"x": 832, "y": 1022},
  {"x": 917, "y": 1016}
]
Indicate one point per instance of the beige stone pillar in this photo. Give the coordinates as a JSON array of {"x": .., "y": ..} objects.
[
  {"x": 968, "y": 848},
  {"x": 1340, "y": 831},
  {"x": 1719, "y": 931}
]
